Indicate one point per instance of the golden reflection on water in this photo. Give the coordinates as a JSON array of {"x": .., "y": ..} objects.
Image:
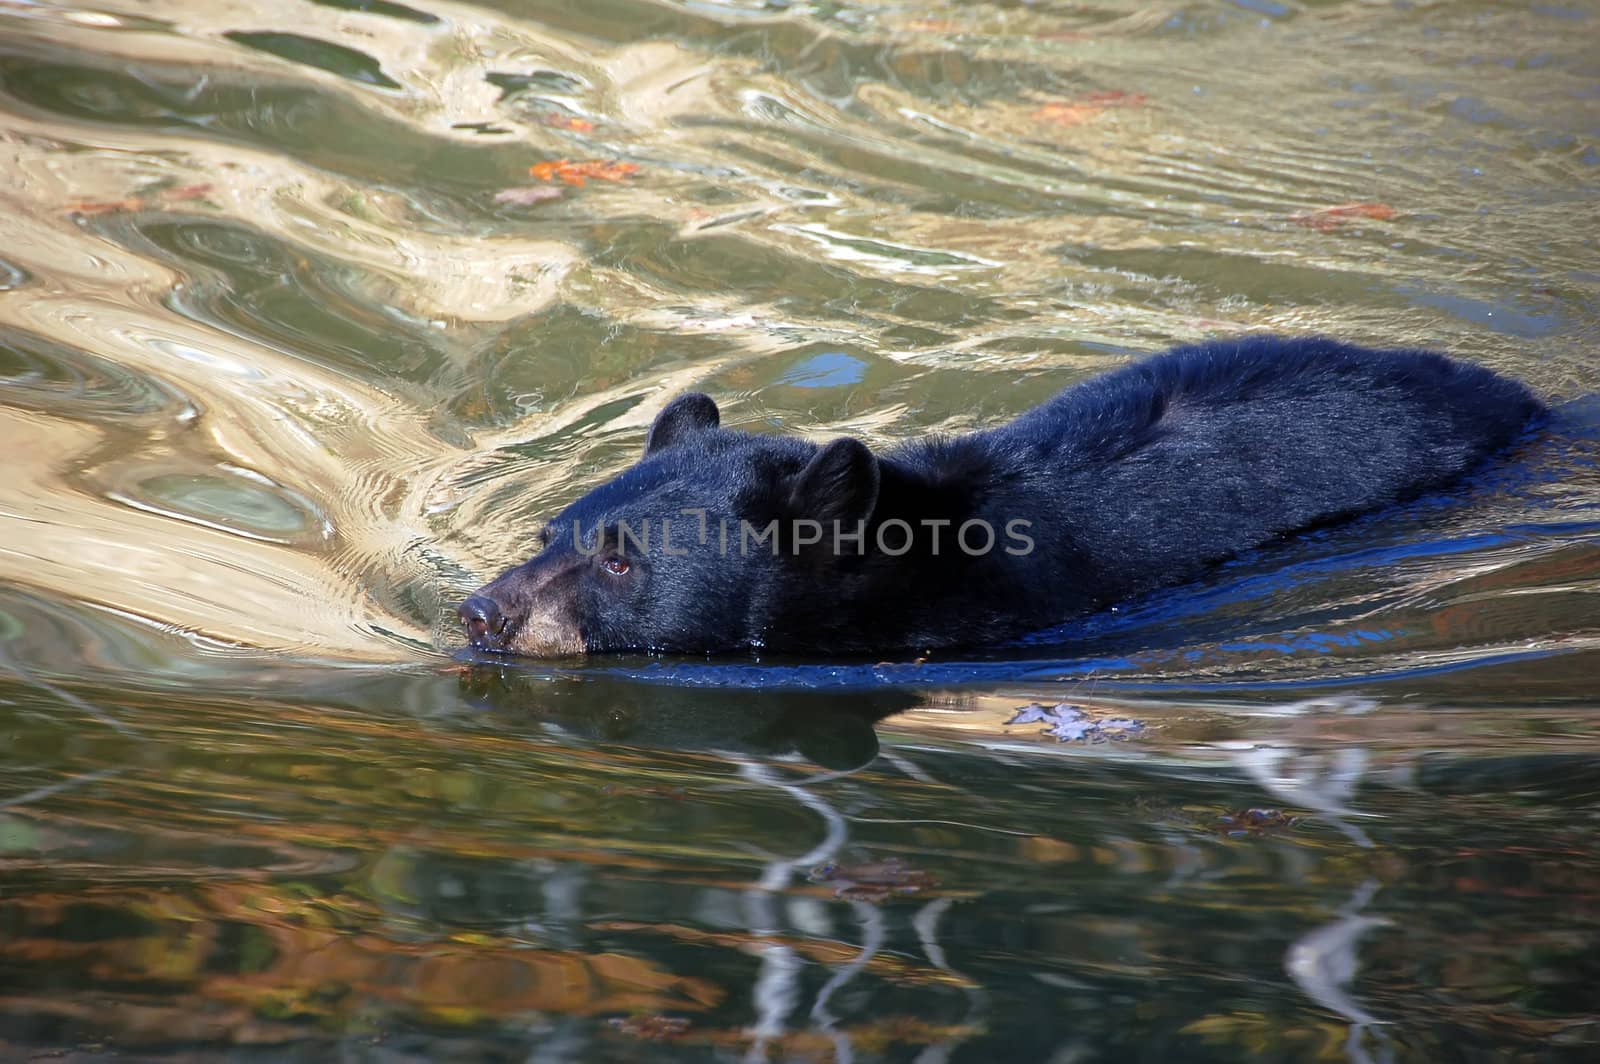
[{"x": 292, "y": 376}]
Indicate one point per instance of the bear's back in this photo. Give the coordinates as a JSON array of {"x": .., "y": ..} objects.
[
  {"x": 1148, "y": 474},
  {"x": 1123, "y": 410}
]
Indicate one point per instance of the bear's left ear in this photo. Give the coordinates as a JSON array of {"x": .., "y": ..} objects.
[
  {"x": 839, "y": 484},
  {"x": 683, "y": 417}
]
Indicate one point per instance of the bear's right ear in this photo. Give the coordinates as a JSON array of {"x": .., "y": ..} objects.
[
  {"x": 839, "y": 484},
  {"x": 683, "y": 417}
]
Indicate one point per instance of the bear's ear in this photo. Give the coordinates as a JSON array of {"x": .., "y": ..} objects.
[
  {"x": 686, "y": 415},
  {"x": 839, "y": 484}
]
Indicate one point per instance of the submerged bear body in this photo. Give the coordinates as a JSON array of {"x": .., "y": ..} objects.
[{"x": 719, "y": 540}]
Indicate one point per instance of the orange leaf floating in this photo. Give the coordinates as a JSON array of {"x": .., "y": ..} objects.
[
  {"x": 1325, "y": 218},
  {"x": 577, "y": 173},
  {"x": 187, "y": 192},
  {"x": 1067, "y": 114},
  {"x": 577, "y": 125},
  {"x": 138, "y": 203},
  {"x": 132, "y": 203},
  {"x": 1088, "y": 108}
]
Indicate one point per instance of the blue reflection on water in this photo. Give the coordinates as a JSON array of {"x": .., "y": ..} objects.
[{"x": 831, "y": 369}]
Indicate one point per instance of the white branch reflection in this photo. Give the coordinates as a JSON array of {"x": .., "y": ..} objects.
[
  {"x": 777, "y": 987},
  {"x": 1323, "y": 964}
]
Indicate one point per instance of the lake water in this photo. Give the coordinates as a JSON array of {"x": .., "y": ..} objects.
[{"x": 309, "y": 312}]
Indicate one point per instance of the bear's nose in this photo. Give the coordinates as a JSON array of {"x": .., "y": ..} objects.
[{"x": 483, "y": 622}]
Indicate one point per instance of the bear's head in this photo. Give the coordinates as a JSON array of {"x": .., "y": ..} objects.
[{"x": 696, "y": 548}]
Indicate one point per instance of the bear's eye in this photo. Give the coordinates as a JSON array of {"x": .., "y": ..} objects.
[{"x": 616, "y": 566}]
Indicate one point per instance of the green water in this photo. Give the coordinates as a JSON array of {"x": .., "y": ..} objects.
[{"x": 310, "y": 313}]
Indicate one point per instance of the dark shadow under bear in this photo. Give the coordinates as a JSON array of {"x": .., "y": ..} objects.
[{"x": 721, "y": 540}]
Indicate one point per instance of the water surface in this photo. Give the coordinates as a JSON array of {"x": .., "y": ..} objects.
[{"x": 309, "y": 315}]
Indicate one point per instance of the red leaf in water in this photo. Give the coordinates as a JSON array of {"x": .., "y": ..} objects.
[
  {"x": 650, "y": 1028},
  {"x": 132, "y": 203},
  {"x": 1117, "y": 98},
  {"x": 526, "y": 196},
  {"x": 137, "y": 203},
  {"x": 1087, "y": 108},
  {"x": 1325, "y": 218},
  {"x": 187, "y": 192}
]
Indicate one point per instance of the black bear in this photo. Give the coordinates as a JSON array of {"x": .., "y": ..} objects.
[{"x": 719, "y": 540}]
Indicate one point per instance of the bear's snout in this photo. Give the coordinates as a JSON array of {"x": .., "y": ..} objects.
[
  {"x": 483, "y": 621},
  {"x": 531, "y": 610}
]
